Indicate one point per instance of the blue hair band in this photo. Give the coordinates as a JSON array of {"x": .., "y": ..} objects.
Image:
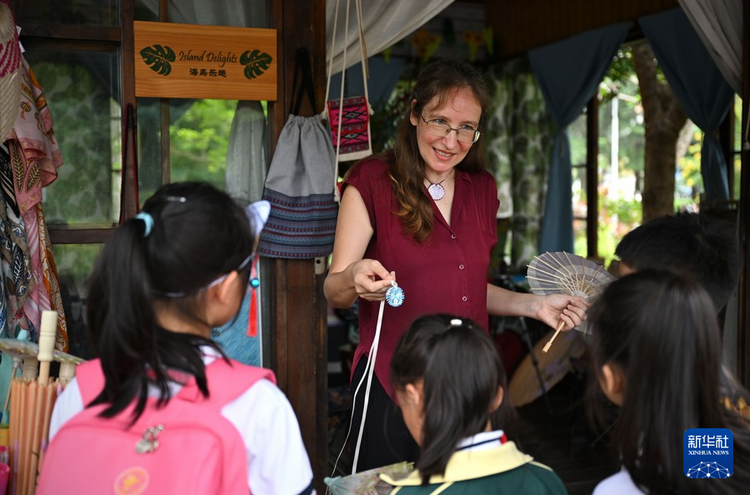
[{"x": 148, "y": 221}]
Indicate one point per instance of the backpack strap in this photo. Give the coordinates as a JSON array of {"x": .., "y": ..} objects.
[
  {"x": 227, "y": 380},
  {"x": 90, "y": 379}
]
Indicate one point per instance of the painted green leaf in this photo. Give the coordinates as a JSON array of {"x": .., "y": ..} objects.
[
  {"x": 256, "y": 63},
  {"x": 158, "y": 58}
]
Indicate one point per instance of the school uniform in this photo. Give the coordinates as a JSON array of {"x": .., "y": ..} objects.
[{"x": 485, "y": 464}]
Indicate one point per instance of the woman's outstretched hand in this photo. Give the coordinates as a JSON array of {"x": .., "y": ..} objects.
[{"x": 371, "y": 280}]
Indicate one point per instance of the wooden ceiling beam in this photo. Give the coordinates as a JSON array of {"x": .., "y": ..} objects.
[{"x": 520, "y": 25}]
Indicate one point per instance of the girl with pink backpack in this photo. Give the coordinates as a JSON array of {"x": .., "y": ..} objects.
[{"x": 163, "y": 410}]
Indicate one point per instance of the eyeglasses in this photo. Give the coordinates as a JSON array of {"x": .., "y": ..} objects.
[
  {"x": 252, "y": 282},
  {"x": 438, "y": 127}
]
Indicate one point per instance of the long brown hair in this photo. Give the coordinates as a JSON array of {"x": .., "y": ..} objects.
[{"x": 438, "y": 80}]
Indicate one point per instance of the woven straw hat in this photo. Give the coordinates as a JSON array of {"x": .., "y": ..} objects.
[{"x": 10, "y": 76}]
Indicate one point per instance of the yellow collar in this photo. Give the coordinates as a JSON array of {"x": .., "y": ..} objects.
[{"x": 471, "y": 464}]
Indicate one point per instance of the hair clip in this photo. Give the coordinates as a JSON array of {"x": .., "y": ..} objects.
[
  {"x": 148, "y": 221},
  {"x": 176, "y": 199},
  {"x": 259, "y": 212},
  {"x": 394, "y": 296},
  {"x": 456, "y": 322}
]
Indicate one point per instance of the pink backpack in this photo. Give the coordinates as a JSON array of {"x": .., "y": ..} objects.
[{"x": 186, "y": 447}]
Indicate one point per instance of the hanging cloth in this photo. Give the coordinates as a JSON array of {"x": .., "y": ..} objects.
[
  {"x": 51, "y": 281},
  {"x": 34, "y": 159},
  {"x": 14, "y": 254},
  {"x": 40, "y": 155}
]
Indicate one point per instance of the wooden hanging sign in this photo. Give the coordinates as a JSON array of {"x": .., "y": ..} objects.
[{"x": 194, "y": 61}]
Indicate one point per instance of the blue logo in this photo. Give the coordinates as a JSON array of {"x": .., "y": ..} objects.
[{"x": 708, "y": 453}]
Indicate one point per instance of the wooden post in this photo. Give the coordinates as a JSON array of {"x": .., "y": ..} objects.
[
  {"x": 743, "y": 329},
  {"x": 592, "y": 177},
  {"x": 298, "y": 338}
]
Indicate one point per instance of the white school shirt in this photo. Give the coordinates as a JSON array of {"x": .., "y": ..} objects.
[
  {"x": 618, "y": 484},
  {"x": 276, "y": 457}
]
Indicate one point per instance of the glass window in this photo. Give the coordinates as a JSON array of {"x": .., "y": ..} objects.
[
  {"x": 577, "y": 133},
  {"x": 736, "y": 156},
  {"x": 74, "y": 264},
  {"x": 72, "y": 12},
  {"x": 198, "y": 141},
  {"x": 621, "y": 146},
  {"x": 82, "y": 88}
]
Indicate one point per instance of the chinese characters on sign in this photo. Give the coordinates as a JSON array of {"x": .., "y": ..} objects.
[{"x": 193, "y": 61}]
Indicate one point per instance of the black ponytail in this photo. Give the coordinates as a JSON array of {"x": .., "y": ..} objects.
[
  {"x": 461, "y": 371},
  {"x": 197, "y": 234}
]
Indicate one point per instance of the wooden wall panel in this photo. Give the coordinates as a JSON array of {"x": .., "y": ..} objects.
[{"x": 519, "y": 25}]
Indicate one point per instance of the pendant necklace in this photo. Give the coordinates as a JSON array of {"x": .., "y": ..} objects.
[{"x": 436, "y": 189}]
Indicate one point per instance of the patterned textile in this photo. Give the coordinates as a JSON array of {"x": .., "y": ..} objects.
[
  {"x": 38, "y": 299},
  {"x": 31, "y": 279},
  {"x": 51, "y": 281},
  {"x": 519, "y": 144},
  {"x": 14, "y": 255},
  {"x": 41, "y": 156}
]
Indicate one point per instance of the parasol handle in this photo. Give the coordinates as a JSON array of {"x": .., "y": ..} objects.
[
  {"x": 67, "y": 372},
  {"x": 560, "y": 326},
  {"x": 47, "y": 334},
  {"x": 30, "y": 368}
]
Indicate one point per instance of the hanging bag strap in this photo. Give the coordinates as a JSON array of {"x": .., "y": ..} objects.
[
  {"x": 303, "y": 73},
  {"x": 365, "y": 75},
  {"x": 129, "y": 145}
]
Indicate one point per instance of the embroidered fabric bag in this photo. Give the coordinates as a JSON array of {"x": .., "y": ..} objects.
[
  {"x": 349, "y": 117},
  {"x": 185, "y": 447},
  {"x": 352, "y": 124},
  {"x": 300, "y": 184}
]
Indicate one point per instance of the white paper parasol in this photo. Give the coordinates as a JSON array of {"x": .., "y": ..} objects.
[{"x": 565, "y": 273}]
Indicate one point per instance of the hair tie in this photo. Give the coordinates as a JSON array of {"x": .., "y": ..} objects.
[
  {"x": 148, "y": 221},
  {"x": 456, "y": 322}
]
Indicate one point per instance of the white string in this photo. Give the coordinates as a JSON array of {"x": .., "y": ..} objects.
[
  {"x": 336, "y": 196},
  {"x": 365, "y": 76},
  {"x": 324, "y": 115},
  {"x": 370, "y": 370},
  {"x": 368, "y": 373}
]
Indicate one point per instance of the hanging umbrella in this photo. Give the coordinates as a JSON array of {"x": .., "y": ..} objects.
[
  {"x": 31, "y": 409},
  {"x": 368, "y": 482}
]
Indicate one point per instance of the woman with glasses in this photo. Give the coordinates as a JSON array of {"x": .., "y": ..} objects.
[{"x": 423, "y": 216}]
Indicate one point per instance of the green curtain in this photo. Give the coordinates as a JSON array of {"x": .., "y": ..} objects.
[{"x": 520, "y": 134}]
